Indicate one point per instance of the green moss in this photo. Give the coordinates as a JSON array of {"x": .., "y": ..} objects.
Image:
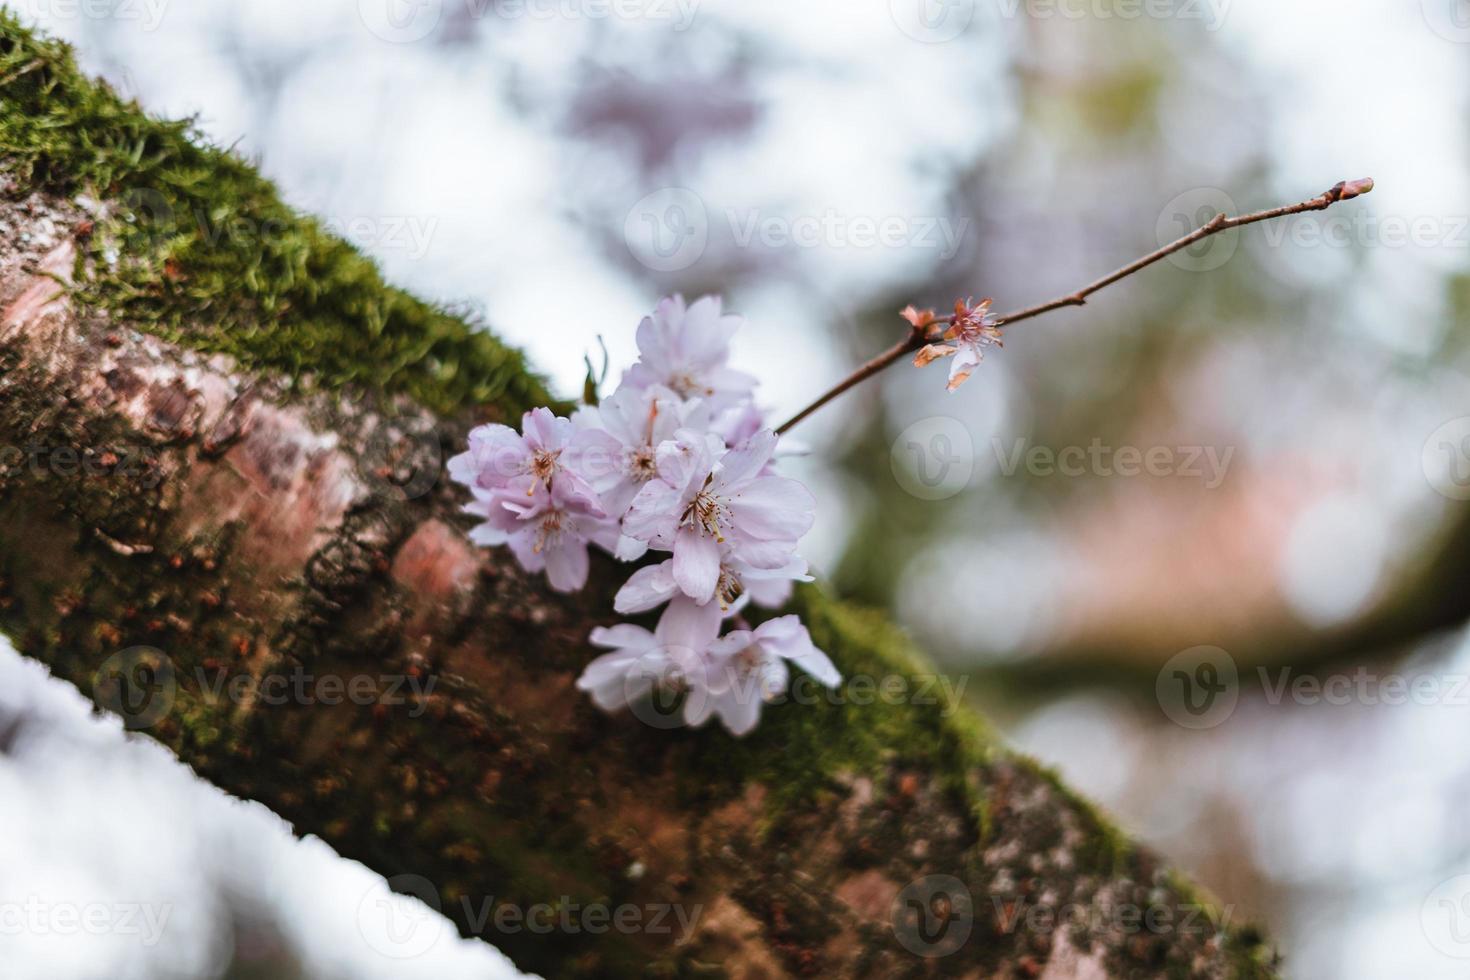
[{"x": 198, "y": 248}]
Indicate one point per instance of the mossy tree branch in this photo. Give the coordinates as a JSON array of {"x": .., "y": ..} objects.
[{"x": 208, "y": 439}]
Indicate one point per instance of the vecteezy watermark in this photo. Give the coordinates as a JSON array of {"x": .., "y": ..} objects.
[
  {"x": 667, "y": 230},
  {"x": 1121, "y": 918},
  {"x": 1445, "y": 917},
  {"x": 138, "y": 685},
  {"x": 400, "y": 919},
  {"x": 299, "y": 686},
  {"x": 933, "y": 916},
  {"x": 1450, "y": 19},
  {"x": 1446, "y": 459},
  {"x": 137, "y": 464},
  {"x": 670, "y": 230},
  {"x": 147, "y": 14},
  {"x": 409, "y": 21},
  {"x": 38, "y": 917},
  {"x": 677, "y": 14},
  {"x": 934, "y": 458},
  {"x": 403, "y": 455},
  {"x": 1189, "y": 212},
  {"x": 834, "y": 230},
  {"x": 141, "y": 685},
  {"x": 1361, "y": 228},
  {"x": 1199, "y": 687},
  {"x": 153, "y": 217},
  {"x": 932, "y": 21},
  {"x": 1207, "y": 464},
  {"x": 655, "y": 691},
  {"x": 1210, "y": 13},
  {"x": 1364, "y": 687}
]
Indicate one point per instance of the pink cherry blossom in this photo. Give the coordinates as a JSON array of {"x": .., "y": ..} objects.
[
  {"x": 706, "y": 497},
  {"x": 739, "y": 582},
  {"x": 545, "y": 529},
  {"x": 686, "y": 349},
  {"x": 971, "y": 330},
  {"x": 621, "y": 439},
  {"x": 499, "y": 458},
  {"x": 749, "y": 668},
  {"x": 673, "y": 657}
]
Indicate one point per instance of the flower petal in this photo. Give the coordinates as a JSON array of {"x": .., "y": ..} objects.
[
  {"x": 696, "y": 564},
  {"x": 773, "y": 508},
  {"x": 647, "y": 588}
]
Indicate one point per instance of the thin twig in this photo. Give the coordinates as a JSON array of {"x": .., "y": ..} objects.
[
  {"x": 916, "y": 338},
  {"x": 912, "y": 342}
]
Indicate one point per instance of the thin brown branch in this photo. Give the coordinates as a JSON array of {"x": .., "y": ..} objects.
[
  {"x": 1341, "y": 191},
  {"x": 910, "y": 343}
]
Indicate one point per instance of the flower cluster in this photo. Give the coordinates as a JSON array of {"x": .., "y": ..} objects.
[{"x": 676, "y": 462}]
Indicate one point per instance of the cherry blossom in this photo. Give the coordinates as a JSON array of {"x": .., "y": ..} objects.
[
  {"x": 545, "y": 529},
  {"x": 676, "y": 460},
  {"x": 674, "y": 657},
  {"x": 500, "y": 458},
  {"x": 749, "y": 668},
  {"x": 621, "y": 439},
  {"x": 686, "y": 349},
  {"x": 739, "y": 582},
  {"x": 971, "y": 330},
  {"x": 706, "y": 497}
]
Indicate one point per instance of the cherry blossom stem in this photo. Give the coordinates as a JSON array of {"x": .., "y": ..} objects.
[
  {"x": 912, "y": 342},
  {"x": 916, "y": 338}
]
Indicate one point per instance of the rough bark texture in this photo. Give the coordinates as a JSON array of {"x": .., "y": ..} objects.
[{"x": 244, "y": 516}]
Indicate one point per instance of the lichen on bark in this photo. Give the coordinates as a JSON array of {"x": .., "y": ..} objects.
[{"x": 262, "y": 534}]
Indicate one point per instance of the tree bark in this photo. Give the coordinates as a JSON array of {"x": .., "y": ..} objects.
[{"x": 277, "y": 585}]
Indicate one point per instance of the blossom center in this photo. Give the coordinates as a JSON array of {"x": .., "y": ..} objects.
[
  {"x": 642, "y": 463},
  {"x": 728, "y": 587},
  {"x": 705, "y": 513},
  {"x": 550, "y": 529},
  {"x": 685, "y": 384},
  {"x": 543, "y": 464}
]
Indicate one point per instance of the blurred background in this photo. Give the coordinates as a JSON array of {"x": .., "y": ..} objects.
[{"x": 1201, "y": 544}]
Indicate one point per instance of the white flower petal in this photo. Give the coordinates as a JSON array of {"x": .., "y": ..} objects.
[{"x": 696, "y": 564}]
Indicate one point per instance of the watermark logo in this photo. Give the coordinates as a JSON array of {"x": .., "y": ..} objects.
[
  {"x": 399, "y": 917},
  {"x": 148, "y": 216},
  {"x": 403, "y": 456},
  {"x": 833, "y": 230},
  {"x": 934, "y": 915},
  {"x": 934, "y": 458},
  {"x": 1450, "y": 19},
  {"x": 1208, "y": 464},
  {"x": 36, "y": 917},
  {"x": 148, "y": 14},
  {"x": 932, "y": 21},
  {"x": 1121, "y": 918},
  {"x": 400, "y": 21},
  {"x": 1446, "y": 459},
  {"x": 1211, "y": 13},
  {"x": 1198, "y": 688},
  {"x": 668, "y": 230},
  {"x": 1445, "y": 917},
  {"x": 679, "y": 14},
  {"x": 1187, "y": 213},
  {"x": 657, "y": 690},
  {"x": 137, "y": 684}
]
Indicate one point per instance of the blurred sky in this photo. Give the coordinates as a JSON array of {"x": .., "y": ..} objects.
[{"x": 559, "y": 167}]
